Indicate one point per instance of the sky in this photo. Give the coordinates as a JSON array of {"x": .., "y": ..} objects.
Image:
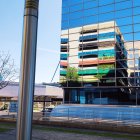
[
  {"x": 49, "y": 27},
  {"x": 48, "y": 44}
]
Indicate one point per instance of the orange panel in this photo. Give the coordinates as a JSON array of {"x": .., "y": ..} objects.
[
  {"x": 90, "y": 62},
  {"x": 64, "y": 63}
]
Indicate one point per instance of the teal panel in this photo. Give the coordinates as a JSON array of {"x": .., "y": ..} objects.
[
  {"x": 63, "y": 72},
  {"x": 100, "y": 53},
  {"x": 106, "y": 35}
]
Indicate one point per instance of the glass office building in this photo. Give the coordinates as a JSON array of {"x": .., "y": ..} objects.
[
  {"x": 100, "y": 52},
  {"x": 0, "y": 77}
]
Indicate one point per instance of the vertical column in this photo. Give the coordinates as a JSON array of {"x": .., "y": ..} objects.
[{"x": 27, "y": 74}]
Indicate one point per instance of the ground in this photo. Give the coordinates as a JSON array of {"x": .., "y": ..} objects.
[
  {"x": 52, "y": 135},
  {"x": 41, "y": 132}
]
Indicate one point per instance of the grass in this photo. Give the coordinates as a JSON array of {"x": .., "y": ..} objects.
[
  {"x": 89, "y": 132},
  {"x": 4, "y": 127},
  {"x": 4, "y": 130}
]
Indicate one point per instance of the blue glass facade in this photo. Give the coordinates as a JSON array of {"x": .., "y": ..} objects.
[{"x": 97, "y": 38}]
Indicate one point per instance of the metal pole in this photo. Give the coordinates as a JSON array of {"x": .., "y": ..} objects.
[
  {"x": 44, "y": 104},
  {"x": 136, "y": 97},
  {"x": 55, "y": 71},
  {"x": 27, "y": 74}
]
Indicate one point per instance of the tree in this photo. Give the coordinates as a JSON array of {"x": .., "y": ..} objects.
[
  {"x": 8, "y": 73},
  {"x": 72, "y": 74}
]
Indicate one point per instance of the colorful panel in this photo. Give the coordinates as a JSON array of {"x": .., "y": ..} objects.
[
  {"x": 63, "y": 63},
  {"x": 94, "y": 71},
  {"x": 64, "y": 40},
  {"x": 63, "y": 72},
  {"x": 106, "y": 61},
  {"x": 96, "y": 61},
  {"x": 104, "y": 54},
  {"x": 99, "y": 37},
  {"x": 105, "y": 71},
  {"x": 100, "y": 53},
  {"x": 88, "y": 37},
  {"x": 88, "y": 62},
  {"x": 63, "y": 56},
  {"x": 106, "y": 35},
  {"x": 106, "y": 66}
]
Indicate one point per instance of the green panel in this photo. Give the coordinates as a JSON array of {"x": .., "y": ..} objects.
[
  {"x": 106, "y": 57},
  {"x": 87, "y": 72},
  {"x": 95, "y": 71},
  {"x": 105, "y": 71},
  {"x": 106, "y": 66}
]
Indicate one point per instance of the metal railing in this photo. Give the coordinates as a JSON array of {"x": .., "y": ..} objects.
[
  {"x": 100, "y": 116},
  {"x": 128, "y": 116}
]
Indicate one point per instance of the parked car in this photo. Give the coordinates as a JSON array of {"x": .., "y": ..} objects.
[{"x": 47, "y": 110}]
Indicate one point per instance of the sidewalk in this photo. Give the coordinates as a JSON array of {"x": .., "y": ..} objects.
[
  {"x": 46, "y": 132},
  {"x": 52, "y": 135}
]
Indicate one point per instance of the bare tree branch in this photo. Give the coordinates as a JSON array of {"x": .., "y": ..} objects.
[{"x": 8, "y": 72}]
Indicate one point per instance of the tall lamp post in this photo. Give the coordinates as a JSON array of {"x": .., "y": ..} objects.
[{"x": 27, "y": 74}]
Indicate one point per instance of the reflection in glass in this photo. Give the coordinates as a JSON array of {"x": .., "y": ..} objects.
[{"x": 100, "y": 51}]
